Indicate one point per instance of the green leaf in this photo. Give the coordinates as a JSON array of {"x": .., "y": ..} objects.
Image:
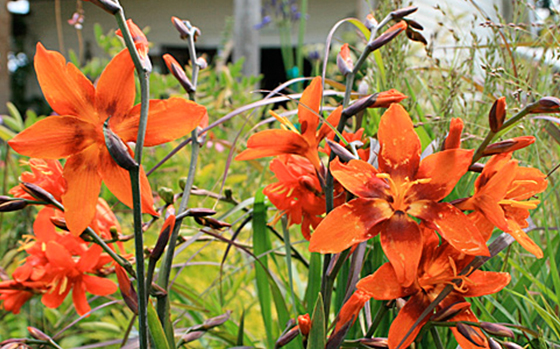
[
  {"x": 16, "y": 115},
  {"x": 156, "y": 331},
  {"x": 261, "y": 245},
  {"x": 317, "y": 334},
  {"x": 314, "y": 283},
  {"x": 361, "y": 26},
  {"x": 6, "y": 134},
  {"x": 241, "y": 329}
]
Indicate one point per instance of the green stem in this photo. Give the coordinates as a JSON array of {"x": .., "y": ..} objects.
[
  {"x": 381, "y": 312},
  {"x": 437, "y": 338},
  {"x": 143, "y": 75}
]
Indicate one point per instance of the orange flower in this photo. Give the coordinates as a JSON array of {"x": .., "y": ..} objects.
[
  {"x": 501, "y": 196},
  {"x": 363, "y": 153},
  {"x": 290, "y": 140},
  {"x": 350, "y": 309},
  {"x": 298, "y": 192},
  {"x": 77, "y": 133},
  {"x": 140, "y": 40},
  {"x": 69, "y": 275},
  {"x": 402, "y": 186},
  {"x": 438, "y": 268},
  {"x": 14, "y": 294}
]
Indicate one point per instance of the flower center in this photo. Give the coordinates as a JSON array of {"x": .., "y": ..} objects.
[
  {"x": 434, "y": 284},
  {"x": 398, "y": 192}
]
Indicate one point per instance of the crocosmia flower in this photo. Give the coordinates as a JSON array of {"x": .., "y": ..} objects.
[
  {"x": 387, "y": 198},
  {"x": 76, "y": 133},
  {"x": 440, "y": 266}
]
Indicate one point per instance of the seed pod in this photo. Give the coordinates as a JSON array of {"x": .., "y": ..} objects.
[
  {"x": 211, "y": 222},
  {"x": 201, "y": 212},
  {"x": 497, "y": 114},
  {"x": 497, "y": 329},
  {"x": 166, "y": 194}
]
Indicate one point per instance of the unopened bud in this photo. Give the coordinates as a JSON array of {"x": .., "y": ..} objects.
[
  {"x": 10, "y": 206},
  {"x": 107, "y": 5},
  {"x": 386, "y": 98},
  {"x": 201, "y": 62},
  {"x": 140, "y": 42},
  {"x": 37, "y": 192},
  {"x": 38, "y": 334},
  {"x": 387, "y": 36},
  {"x": 182, "y": 182},
  {"x": 344, "y": 61},
  {"x": 471, "y": 334},
  {"x": 216, "y": 321},
  {"x": 413, "y": 35},
  {"x": 497, "y": 329},
  {"x": 304, "y": 324},
  {"x": 405, "y": 11},
  {"x": 492, "y": 344},
  {"x": 211, "y": 222},
  {"x": 178, "y": 72},
  {"x": 370, "y": 22},
  {"x": 59, "y": 223},
  {"x": 183, "y": 30},
  {"x": 450, "y": 311},
  {"x": 166, "y": 194},
  {"x": 163, "y": 238},
  {"x": 344, "y": 154},
  {"x": 4, "y": 198},
  {"x": 497, "y": 114},
  {"x": 127, "y": 289},
  {"x": 377, "y": 342},
  {"x": 360, "y": 104},
  {"x": 201, "y": 212},
  {"x": 414, "y": 24},
  {"x": 508, "y": 145},
  {"x": 511, "y": 345},
  {"x": 476, "y": 167},
  {"x": 547, "y": 104},
  {"x": 453, "y": 139},
  {"x": 117, "y": 149},
  {"x": 14, "y": 345},
  {"x": 287, "y": 337},
  {"x": 192, "y": 336}
]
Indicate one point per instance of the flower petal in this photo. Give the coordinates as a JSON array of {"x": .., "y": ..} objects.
[
  {"x": 308, "y": 109},
  {"x": 444, "y": 169},
  {"x": 54, "y": 137},
  {"x": 89, "y": 260},
  {"x": 117, "y": 181},
  {"x": 349, "y": 224},
  {"x": 468, "y": 316},
  {"x": 453, "y": 139},
  {"x": 359, "y": 178},
  {"x": 58, "y": 255},
  {"x": 116, "y": 89},
  {"x": 383, "y": 284},
  {"x": 401, "y": 241},
  {"x": 486, "y": 282},
  {"x": 55, "y": 296},
  {"x": 405, "y": 319},
  {"x": 400, "y": 146},
  {"x": 99, "y": 286},
  {"x": 167, "y": 120},
  {"x": 273, "y": 142},
  {"x": 43, "y": 228},
  {"x": 79, "y": 298},
  {"x": 452, "y": 224},
  {"x": 527, "y": 182},
  {"x": 524, "y": 240},
  {"x": 332, "y": 120},
  {"x": 66, "y": 89},
  {"x": 84, "y": 183}
]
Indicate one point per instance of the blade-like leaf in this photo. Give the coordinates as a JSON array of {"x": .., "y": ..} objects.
[{"x": 317, "y": 334}]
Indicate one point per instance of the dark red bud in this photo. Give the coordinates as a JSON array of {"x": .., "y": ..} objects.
[
  {"x": 414, "y": 24},
  {"x": 387, "y": 36},
  {"x": 37, "y": 192},
  {"x": 405, "y": 11},
  {"x": 492, "y": 344},
  {"x": 211, "y": 222},
  {"x": 192, "y": 336},
  {"x": 450, "y": 311},
  {"x": 497, "y": 329},
  {"x": 117, "y": 149},
  {"x": 476, "y": 167},
  {"x": 10, "y": 206},
  {"x": 163, "y": 238},
  {"x": 38, "y": 334},
  {"x": 178, "y": 72},
  {"x": 216, "y": 321},
  {"x": 59, "y": 223},
  {"x": 497, "y": 114},
  {"x": 344, "y": 154},
  {"x": 508, "y": 145},
  {"x": 471, "y": 334},
  {"x": 375, "y": 342},
  {"x": 511, "y": 345}
]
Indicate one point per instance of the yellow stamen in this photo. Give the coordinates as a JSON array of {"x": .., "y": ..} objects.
[
  {"x": 64, "y": 285},
  {"x": 528, "y": 205},
  {"x": 284, "y": 121}
]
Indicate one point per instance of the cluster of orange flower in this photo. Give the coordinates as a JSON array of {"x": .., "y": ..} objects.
[
  {"x": 399, "y": 195},
  {"x": 60, "y": 261}
]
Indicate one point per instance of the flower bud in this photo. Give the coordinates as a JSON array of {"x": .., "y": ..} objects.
[
  {"x": 497, "y": 329},
  {"x": 453, "y": 139},
  {"x": 304, "y": 324},
  {"x": 414, "y": 24},
  {"x": 387, "y": 36},
  {"x": 14, "y": 345},
  {"x": 547, "y": 105},
  {"x": 216, "y": 321},
  {"x": 185, "y": 28},
  {"x": 192, "y": 336},
  {"x": 344, "y": 61},
  {"x": 492, "y": 344},
  {"x": 471, "y": 334},
  {"x": 117, "y": 149},
  {"x": 211, "y": 222},
  {"x": 405, "y": 11},
  {"x": 340, "y": 151},
  {"x": 140, "y": 42},
  {"x": 497, "y": 114},
  {"x": 163, "y": 238},
  {"x": 413, "y": 35},
  {"x": 287, "y": 337},
  {"x": 59, "y": 223},
  {"x": 127, "y": 289},
  {"x": 370, "y": 22},
  {"x": 476, "y": 167},
  {"x": 201, "y": 62},
  {"x": 511, "y": 345},
  {"x": 37, "y": 192},
  {"x": 38, "y": 334},
  {"x": 386, "y": 98},
  {"x": 375, "y": 342},
  {"x": 14, "y": 205},
  {"x": 508, "y": 145},
  {"x": 201, "y": 212},
  {"x": 4, "y": 198},
  {"x": 107, "y": 5},
  {"x": 178, "y": 72}
]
